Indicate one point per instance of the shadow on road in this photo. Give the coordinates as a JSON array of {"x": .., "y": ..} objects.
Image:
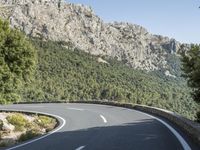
[{"x": 143, "y": 135}]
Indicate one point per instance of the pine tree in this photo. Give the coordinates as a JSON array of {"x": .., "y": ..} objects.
[
  {"x": 191, "y": 69},
  {"x": 17, "y": 62}
]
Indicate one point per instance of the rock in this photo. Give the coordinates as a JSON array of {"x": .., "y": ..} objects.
[
  {"x": 4, "y": 125},
  {"x": 29, "y": 118},
  {"x": 167, "y": 73},
  {"x": 7, "y": 127},
  {"x": 3, "y": 116},
  {"x": 77, "y": 24},
  {"x": 100, "y": 60}
]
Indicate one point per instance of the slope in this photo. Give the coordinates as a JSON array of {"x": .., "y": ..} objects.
[{"x": 64, "y": 73}]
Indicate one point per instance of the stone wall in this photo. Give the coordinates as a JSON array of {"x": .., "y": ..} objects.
[{"x": 191, "y": 128}]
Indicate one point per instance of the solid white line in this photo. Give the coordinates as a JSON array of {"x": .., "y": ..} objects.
[
  {"x": 80, "y": 148},
  {"x": 78, "y": 109},
  {"x": 103, "y": 118},
  {"x": 178, "y": 136},
  {"x": 42, "y": 137}
]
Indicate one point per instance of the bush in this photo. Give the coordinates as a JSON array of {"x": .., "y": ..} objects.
[
  {"x": 18, "y": 121},
  {"x": 29, "y": 135},
  {"x": 0, "y": 135},
  {"x": 46, "y": 122},
  {"x": 3, "y": 144},
  {"x": 1, "y": 124},
  {"x": 198, "y": 117}
]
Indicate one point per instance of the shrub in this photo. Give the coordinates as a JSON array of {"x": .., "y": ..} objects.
[
  {"x": 1, "y": 124},
  {"x": 3, "y": 144},
  {"x": 46, "y": 122},
  {"x": 198, "y": 117},
  {"x": 18, "y": 121},
  {"x": 29, "y": 135},
  {"x": 1, "y": 134}
]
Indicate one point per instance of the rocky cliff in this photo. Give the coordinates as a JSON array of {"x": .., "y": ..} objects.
[{"x": 61, "y": 21}]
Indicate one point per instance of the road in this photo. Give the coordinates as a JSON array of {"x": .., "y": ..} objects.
[{"x": 100, "y": 127}]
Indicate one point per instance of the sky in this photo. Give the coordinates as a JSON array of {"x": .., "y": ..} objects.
[{"x": 179, "y": 19}]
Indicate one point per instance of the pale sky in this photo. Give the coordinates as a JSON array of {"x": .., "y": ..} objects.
[{"x": 179, "y": 19}]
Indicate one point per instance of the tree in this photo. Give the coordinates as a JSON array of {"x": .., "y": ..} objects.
[
  {"x": 17, "y": 62},
  {"x": 191, "y": 69}
]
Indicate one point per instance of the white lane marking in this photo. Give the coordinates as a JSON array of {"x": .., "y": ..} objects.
[
  {"x": 42, "y": 137},
  {"x": 78, "y": 109},
  {"x": 178, "y": 136},
  {"x": 34, "y": 106},
  {"x": 103, "y": 118},
  {"x": 80, "y": 148}
]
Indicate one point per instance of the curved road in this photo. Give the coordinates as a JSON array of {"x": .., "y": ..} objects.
[{"x": 99, "y": 127}]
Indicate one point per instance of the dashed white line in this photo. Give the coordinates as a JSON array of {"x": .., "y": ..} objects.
[
  {"x": 42, "y": 137},
  {"x": 78, "y": 109},
  {"x": 103, "y": 118},
  {"x": 80, "y": 148},
  {"x": 33, "y": 106},
  {"x": 178, "y": 136}
]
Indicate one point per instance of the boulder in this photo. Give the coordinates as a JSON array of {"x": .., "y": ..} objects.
[{"x": 7, "y": 127}]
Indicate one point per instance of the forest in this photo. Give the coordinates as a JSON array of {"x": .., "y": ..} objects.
[
  {"x": 65, "y": 73},
  {"x": 37, "y": 70}
]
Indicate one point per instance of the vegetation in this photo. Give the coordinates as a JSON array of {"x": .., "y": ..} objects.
[
  {"x": 29, "y": 135},
  {"x": 17, "y": 62},
  {"x": 70, "y": 74},
  {"x": 18, "y": 121},
  {"x": 1, "y": 125},
  {"x": 198, "y": 116},
  {"x": 191, "y": 68},
  {"x": 26, "y": 127},
  {"x": 46, "y": 122}
]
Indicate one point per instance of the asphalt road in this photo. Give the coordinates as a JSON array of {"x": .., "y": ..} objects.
[{"x": 99, "y": 127}]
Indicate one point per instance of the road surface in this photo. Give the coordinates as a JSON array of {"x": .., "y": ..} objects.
[{"x": 99, "y": 127}]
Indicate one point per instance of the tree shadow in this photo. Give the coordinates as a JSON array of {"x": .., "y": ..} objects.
[{"x": 147, "y": 134}]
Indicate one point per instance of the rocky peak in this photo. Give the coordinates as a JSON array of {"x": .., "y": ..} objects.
[
  {"x": 23, "y": 2},
  {"x": 60, "y": 21}
]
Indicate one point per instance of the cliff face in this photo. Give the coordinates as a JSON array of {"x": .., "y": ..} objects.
[{"x": 60, "y": 21}]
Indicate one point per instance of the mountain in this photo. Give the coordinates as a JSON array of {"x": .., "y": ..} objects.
[
  {"x": 65, "y": 35},
  {"x": 78, "y": 25}
]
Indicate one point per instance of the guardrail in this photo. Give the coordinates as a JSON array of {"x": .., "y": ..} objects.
[{"x": 191, "y": 128}]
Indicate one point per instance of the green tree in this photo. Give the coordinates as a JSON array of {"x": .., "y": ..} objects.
[
  {"x": 191, "y": 69},
  {"x": 17, "y": 62}
]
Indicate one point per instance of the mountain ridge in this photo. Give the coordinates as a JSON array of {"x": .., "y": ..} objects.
[{"x": 78, "y": 25}]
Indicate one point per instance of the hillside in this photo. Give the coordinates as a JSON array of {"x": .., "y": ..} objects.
[
  {"x": 57, "y": 20},
  {"x": 71, "y": 74},
  {"x": 80, "y": 57}
]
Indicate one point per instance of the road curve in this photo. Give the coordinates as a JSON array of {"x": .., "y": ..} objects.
[{"x": 99, "y": 127}]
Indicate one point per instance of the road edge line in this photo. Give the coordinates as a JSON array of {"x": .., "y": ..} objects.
[
  {"x": 182, "y": 141},
  {"x": 39, "y": 138},
  {"x": 80, "y": 148}
]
